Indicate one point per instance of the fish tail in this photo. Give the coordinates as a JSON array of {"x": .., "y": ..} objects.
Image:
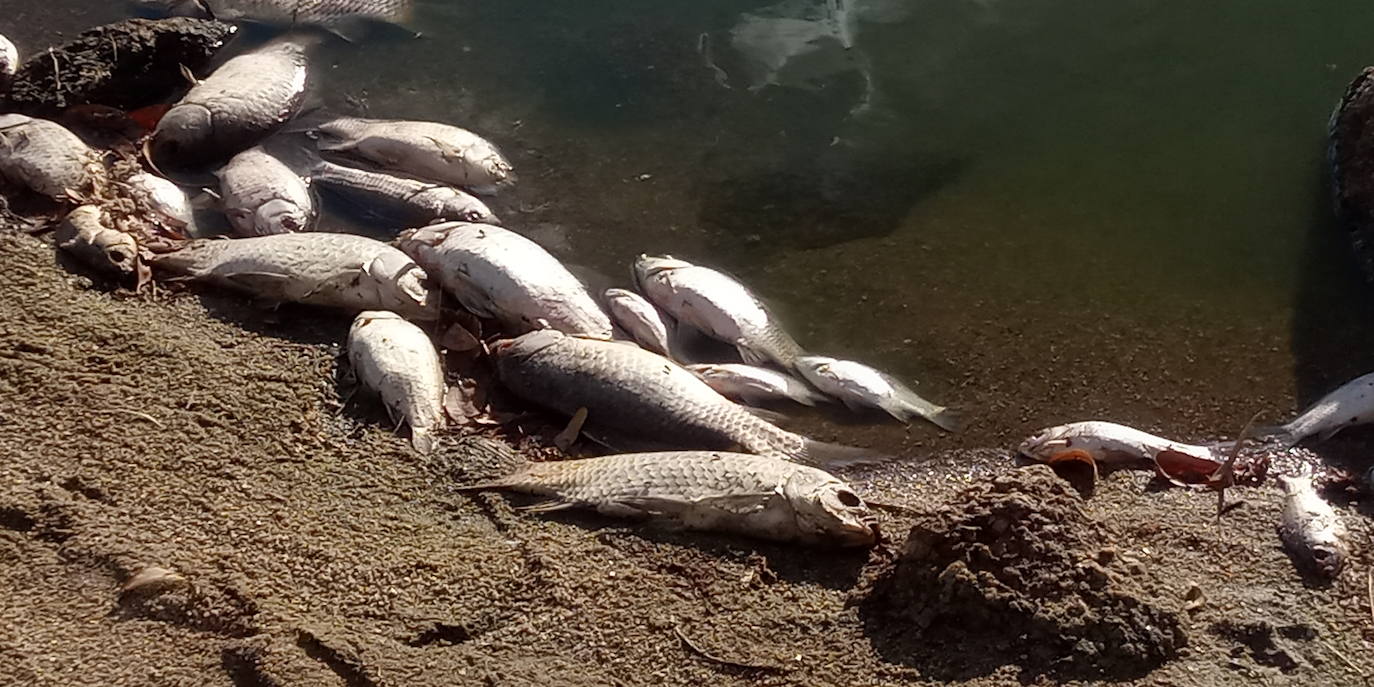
[
  {"x": 908, "y": 409},
  {"x": 826, "y": 455},
  {"x": 1287, "y": 435},
  {"x": 422, "y": 440}
]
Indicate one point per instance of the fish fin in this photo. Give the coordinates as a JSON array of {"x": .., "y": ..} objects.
[
  {"x": 546, "y": 506},
  {"x": 947, "y": 419},
  {"x": 805, "y": 397},
  {"x": 1282, "y": 433},
  {"x": 565, "y": 438},
  {"x": 186, "y": 74},
  {"x": 250, "y": 281},
  {"x": 772, "y": 417},
  {"x": 826, "y": 455},
  {"x": 749, "y": 355},
  {"x": 855, "y": 406},
  {"x": 1328, "y": 433},
  {"x": 422, "y": 440}
]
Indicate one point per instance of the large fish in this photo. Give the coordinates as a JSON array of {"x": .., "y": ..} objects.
[
  {"x": 754, "y": 385},
  {"x": 501, "y": 275},
  {"x": 1352, "y": 404},
  {"x": 340, "y": 16},
  {"x": 44, "y": 156},
  {"x": 396, "y": 359},
  {"x": 262, "y": 196},
  {"x": 335, "y": 270},
  {"x": 408, "y": 201},
  {"x": 859, "y": 385},
  {"x": 628, "y": 389},
  {"x": 1109, "y": 443},
  {"x": 745, "y": 494},
  {"x": 430, "y": 151},
  {"x": 719, "y": 306},
  {"x": 236, "y": 107},
  {"x": 1310, "y": 529},
  {"x": 640, "y": 319}
]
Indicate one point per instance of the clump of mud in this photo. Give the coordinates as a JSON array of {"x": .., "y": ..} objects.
[
  {"x": 1015, "y": 568},
  {"x": 1351, "y": 156}
]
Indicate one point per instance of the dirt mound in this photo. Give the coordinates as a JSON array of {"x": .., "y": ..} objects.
[{"x": 1016, "y": 566}]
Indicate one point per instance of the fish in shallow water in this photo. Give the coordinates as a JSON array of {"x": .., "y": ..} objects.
[
  {"x": 628, "y": 389},
  {"x": 1310, "y": 529},
  {"x": 408, "y": 201},
  {"x": 640, "y": 319},
  {"x": 754, "y": 385},
  {"x": 335, "y": 270},
  {"x": 396, "y": 359},
  {"x": 1108, "y": 443},
  {"x": 740, "y": 493},
  {"x": 719, "y": 306},
  {"x": 1352, "y": 404},
  {"x": 44, "y": 156},
  {"x": 430, "y": 151},
  {"x": 262, "y": 196},
  {"x": 339, "y": 16},
  {"x": 860, "y": 386},
  {"x": 236, "y": 107},
  {"x": 499, "y": 274},
  {"x": 85, "y": 234}
]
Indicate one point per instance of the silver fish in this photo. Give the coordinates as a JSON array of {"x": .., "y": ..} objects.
[
  {"x": 719, "y": 306},
  {"x": 499, "y": 274},
  {"x": 1310, "y": 529},
  {"x": 336, "y": 270},
  {"x": 628, "y": 389},
  {"x": 165, "y": 198},
  {"x": 44, "y": 156},
  {"x": 86, "y": 234},
  {"x": 754, "y": 385},
  {"x": 640, "y": 319},
  {"x": 1109, "y": 443},
  {"x": 860, "y": 386},
  {"x": 397, "y": 360},
  {"x": 430, "y": 151},
  {"x": 237, "y": 106},
  {"x": 413, "y": 202},
  {"x": 336, "y": 15},
  {"x": 1352, "y": 404},
  {"x": 262, "y": 196},
  {"x": 745, "y": 494}
]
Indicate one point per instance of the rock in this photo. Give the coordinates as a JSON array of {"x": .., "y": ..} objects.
[{"x": 1350, "y": 153}]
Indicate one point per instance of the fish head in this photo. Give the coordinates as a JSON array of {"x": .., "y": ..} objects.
[
  {"x": 280, "y": 216},
  {"x": 647, "y": 267},
  {"x": 827, "y": 510},
  {"x": 182, "y": 132},
  {"x": 1046, "y": 444},
  {"x": 819, "y": 370},
  {"x": 469, "y": 210},
  {"x": 367, "y": 317},
  {"x": 405, "y": 282}
]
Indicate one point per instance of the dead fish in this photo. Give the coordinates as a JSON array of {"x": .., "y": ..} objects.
[
  {"x": 501, "y": 275},
  {"x": 411, "y": 202},
  {"x": 85, "y": 234},
  {"x": 754, "y": 385},
  {"x": 396, "y": 359},
  {"x": 430, "y": 151},
  {"x": 1310, "y": 529},
  {"x": 860, "y": 386},
  {"x": 628, "y": 389},
  {"x": 1109, "y": 443},
  {"x": 44, "y": 156},
  {"x": 336, "y": 270},
  {"x": 236, "y": 107},
  {"x": 640, "y": 319},
  {"x": 1352, "y": 404},
  {"x": 745, "y": 494},
  {"x": 165, "y": 198},
  {"x": 262, "y": 196},
  {"x": 339, "y": 16},
  {"x": 9, "y": 60},
  {"x": 719, "y": 306}
]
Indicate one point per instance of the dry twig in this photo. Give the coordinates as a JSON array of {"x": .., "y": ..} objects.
[{"x": 723, "y": 661}]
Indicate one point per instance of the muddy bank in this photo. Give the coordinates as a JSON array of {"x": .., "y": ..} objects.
[{"x": 207, "y": 437}]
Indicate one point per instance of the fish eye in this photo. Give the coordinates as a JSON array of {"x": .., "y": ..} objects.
[
  {"x": 118, "y": 256},
  {"x": 849, "y": 499}
]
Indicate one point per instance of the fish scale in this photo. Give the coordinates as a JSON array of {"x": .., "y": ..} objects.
[
  {"x": 430, "y": 151},
  {"x": 44, "y": 155},
  {"x": 262, "y": 196},
  {"x": 326, "y": 13},
  {"x": 416, "y": 201},
  {"x": 706, "y": 490},
  {"x": 397, "y": 360}
]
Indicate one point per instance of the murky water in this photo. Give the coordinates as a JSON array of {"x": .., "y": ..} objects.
[{"x": 1043, "y": 210}]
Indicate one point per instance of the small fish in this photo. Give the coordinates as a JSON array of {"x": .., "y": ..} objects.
[
  {"x": 501, "y": 275},
  {"x": 429, "y": 151},
  {"x": 719, "y": 306},
  {"x": 1109, "y": 443},
  {"x": 739, "y": 493},
  {"x": 86, "y": 234},
  {"x": 411, "y": 202},
  {"x": 754, "y": 385},
  {"x": 628, "y": 389},
  {"x": 236, "y": 107},
  {"x": 335, "y": 270},
  {"x": 640, "y": 319},
  {"x": 165, "y": 198},
  {"x": 397, "y": 360},
  {"x": 1310, "y": 529},
  {"x": 339, "y": 16},
  {"x": 45, "y": 157},
  {"x": 860, "y": 386},
  {"x": 262, "y": 196},
  {"x": 1352, "y": 404}
]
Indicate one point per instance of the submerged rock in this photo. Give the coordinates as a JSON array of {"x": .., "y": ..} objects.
[{"x": 128, "y": 65}]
